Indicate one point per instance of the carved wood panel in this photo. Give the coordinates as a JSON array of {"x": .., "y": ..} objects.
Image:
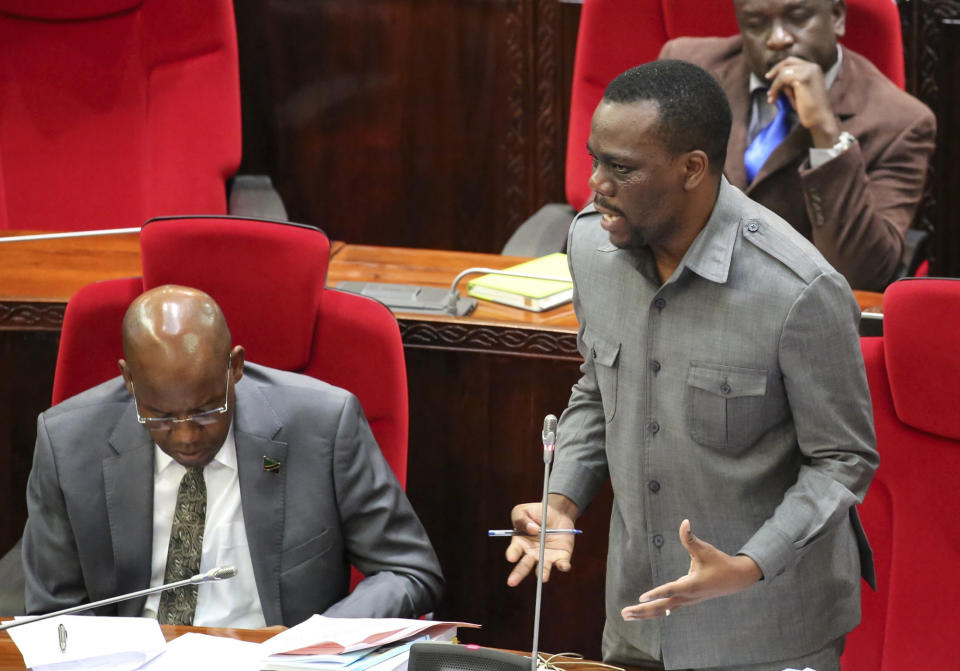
[
  {"x": 418, "y": 123},
  {"x": 932, "y": 66}
]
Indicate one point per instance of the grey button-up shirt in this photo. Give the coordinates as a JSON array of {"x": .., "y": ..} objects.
[{"x": 734, "y": 395}]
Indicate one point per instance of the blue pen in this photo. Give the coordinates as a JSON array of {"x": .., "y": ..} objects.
[{"x": 514, "y": 532}]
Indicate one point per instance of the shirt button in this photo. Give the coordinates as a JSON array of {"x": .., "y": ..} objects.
[
  {"x": 654, "y": 486},
  {"x": 655, "y": 366},
  {"x": 593, "y": 352},
  {"x": 753, "y": 227},
  {"x": 658, "y": 540},
  {"x": 653, "y": 427},
  {"x": 725, "y": 389},
  {"x": 659, "y": 303}
]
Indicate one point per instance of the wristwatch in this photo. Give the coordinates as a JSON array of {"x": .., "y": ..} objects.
[{"x": 844, "y": 142}]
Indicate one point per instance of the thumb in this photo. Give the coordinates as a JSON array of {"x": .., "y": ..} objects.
[{"x": 691, "y": 543}]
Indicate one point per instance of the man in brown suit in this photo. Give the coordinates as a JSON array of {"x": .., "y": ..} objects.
[{"x": 850, "y": 173}]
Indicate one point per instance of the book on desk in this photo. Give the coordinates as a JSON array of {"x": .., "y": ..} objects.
[{"x": 526, "y": 293}]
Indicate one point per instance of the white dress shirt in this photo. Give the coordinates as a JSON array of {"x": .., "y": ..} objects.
[
  {"x": 762, "y": 112},
  {"x": 228, "y": 603}
]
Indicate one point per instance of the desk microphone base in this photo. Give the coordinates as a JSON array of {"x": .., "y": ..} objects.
[{"x": 412, "y": 298}]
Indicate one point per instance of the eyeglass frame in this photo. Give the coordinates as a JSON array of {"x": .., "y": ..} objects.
[{"x": 205, "y": 418}]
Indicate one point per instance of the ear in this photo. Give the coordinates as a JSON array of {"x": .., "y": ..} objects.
[
  {"x": 696, "y": 166},
  {"x": 238, "y": 356},
  {"x": 839, "y": 13},
  {"x": 125, "y": 372}
]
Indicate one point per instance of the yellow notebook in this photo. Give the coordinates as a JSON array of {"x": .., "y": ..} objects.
[{"x": 526, "y": 293}]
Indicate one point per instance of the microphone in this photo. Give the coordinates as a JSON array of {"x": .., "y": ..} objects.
[
  {"x": 219, "y": 573},
  {"x": 67, "y": 235},
  {"x": 549, "y": 435}
]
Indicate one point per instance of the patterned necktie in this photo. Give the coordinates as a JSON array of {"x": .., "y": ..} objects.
[
  {"x": 177, "y": 606},
  {"x": 768, "y": 139}
]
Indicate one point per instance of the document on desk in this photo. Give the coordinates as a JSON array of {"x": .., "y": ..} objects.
[
  {"x": 88, "y": 642},
  {"x": 321, "y": 635},
  {"x": 200, "y": 651}
]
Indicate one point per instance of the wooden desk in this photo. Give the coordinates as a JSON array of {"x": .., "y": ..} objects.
[
  {"x": 12, "y": 660},
  {"x": 479, "y": 388}
]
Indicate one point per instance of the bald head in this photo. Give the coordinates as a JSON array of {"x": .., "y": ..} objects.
[
  {"x": 173, "y": 326},
  {"x": 178, "y": 364}
]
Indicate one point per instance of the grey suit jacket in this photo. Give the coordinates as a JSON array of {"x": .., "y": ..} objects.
[
  {"x": 733, "y": 395},
  {"x": 334, "y": 502},
  {"x": 857, "y": 207}
]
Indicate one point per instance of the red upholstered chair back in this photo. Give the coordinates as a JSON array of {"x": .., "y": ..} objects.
[
  {"x": 114, "y": 111},
  {"x": 912, "y": 511},
  {"x": 615, "y": 35},
  {"x": 268, "y": 278}
]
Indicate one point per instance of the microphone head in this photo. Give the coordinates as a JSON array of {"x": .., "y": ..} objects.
[
  {"x": 223, "y": 572},
  {"x": 219, "y": 573},
  {"x": 549, "y": 434}
]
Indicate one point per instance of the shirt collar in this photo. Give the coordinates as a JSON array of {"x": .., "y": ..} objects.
[
  {"x": 757, "y": 84},
  {"x": 226, "y": 457},
  {"x": 712, "y": 250}
]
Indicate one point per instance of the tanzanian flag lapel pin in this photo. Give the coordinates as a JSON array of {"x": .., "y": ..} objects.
[{"x": 270, "y": 465}]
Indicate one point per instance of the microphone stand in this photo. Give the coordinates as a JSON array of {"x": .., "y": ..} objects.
[
  {"x": 549, "y": 442},
  {"x": 221, "y": 573}
]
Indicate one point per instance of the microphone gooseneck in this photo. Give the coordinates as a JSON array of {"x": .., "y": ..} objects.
[{"x": 219, "y": 573}]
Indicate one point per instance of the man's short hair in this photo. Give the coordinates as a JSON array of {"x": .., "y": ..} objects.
[{"x": 693, "y": 109}]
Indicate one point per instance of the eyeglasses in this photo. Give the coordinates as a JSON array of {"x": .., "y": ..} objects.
[{"x": 204, "y": 418}]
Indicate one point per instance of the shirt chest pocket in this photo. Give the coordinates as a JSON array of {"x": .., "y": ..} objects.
[
  {"x": 725, "y": 405},
  {"x": 605, "y": 356}
]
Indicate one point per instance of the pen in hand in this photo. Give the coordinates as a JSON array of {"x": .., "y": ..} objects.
[{"x": 514, "y": 532}]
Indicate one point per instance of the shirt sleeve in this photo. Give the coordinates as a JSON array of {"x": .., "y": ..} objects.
[
  {"x": 580, "y": 467},
  {"x": 384, "y": 537},
  {"x": 52, "y": 574},
  {"x": 827, "y": 391}
]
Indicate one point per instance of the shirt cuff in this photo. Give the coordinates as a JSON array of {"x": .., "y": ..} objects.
[
  {"x": 820, "y": 156},
  {"x": 577, "y": 484},
  {"x": 772, "y": 551}
]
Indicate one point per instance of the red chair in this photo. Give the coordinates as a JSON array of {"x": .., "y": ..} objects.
[
  {"x": 114, "y": 111},
  {"x": 268, "y": 278},
  {"x": 911, "y": 512},
  {"x": 615, "y": 35}
]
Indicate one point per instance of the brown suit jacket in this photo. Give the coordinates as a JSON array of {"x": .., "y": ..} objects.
[{"x": 857, "y": 207}]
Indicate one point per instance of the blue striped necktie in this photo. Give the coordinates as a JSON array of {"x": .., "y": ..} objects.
[{"x": 768, "y": 139}]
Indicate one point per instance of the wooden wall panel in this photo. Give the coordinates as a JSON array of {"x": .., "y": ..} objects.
[
  {"x": 491, "y": 407},
  {"x": 417, "y": 123},
  {"x": 931, "y": 29},
  {"x": 28, "y": 353}
]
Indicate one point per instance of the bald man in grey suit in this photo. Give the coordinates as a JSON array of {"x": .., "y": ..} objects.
[{"x": 311, "y": 492}]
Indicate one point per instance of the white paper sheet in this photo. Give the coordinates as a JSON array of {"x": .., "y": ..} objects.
[
  {"x": 101, "y": 643},
  {"x": 200, "y": 651}
]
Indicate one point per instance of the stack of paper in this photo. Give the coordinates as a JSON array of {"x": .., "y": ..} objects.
[
  {"x": 351, "y": 644},
  {"x": 85, "y": 642},
  {"x": 522, "y": 292}
]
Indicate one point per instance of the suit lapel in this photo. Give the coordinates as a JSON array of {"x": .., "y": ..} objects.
[
  {"x": 262, "y": 492},
  {"x": 128, "y": 487}
]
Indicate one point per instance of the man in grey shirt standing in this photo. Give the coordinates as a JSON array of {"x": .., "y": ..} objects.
[{"x": 722, "y": 392}]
